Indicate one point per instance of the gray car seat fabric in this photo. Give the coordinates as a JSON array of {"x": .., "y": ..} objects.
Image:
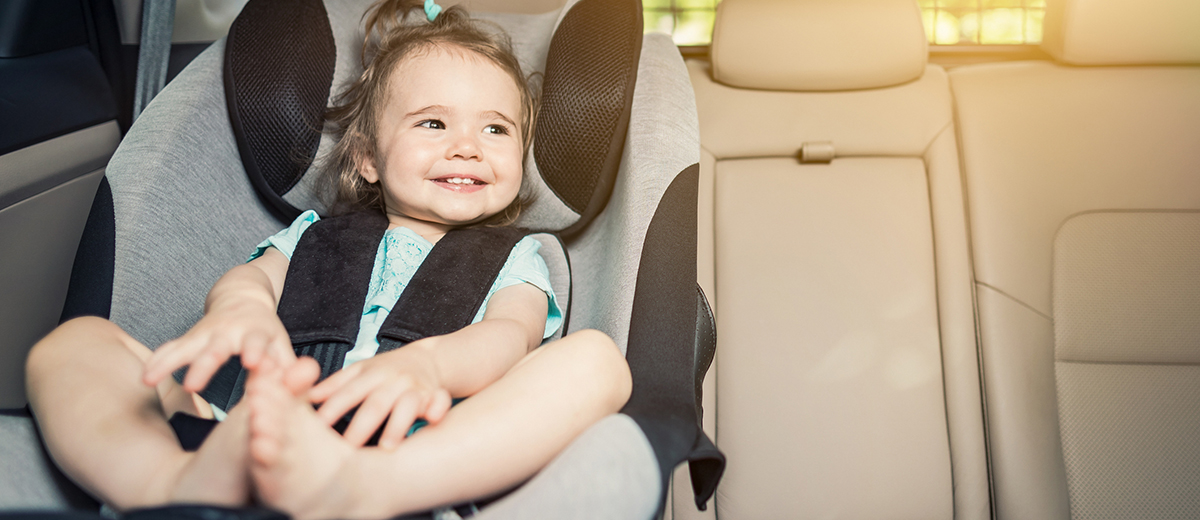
[
  {"x": 29, "y": 480},
  {"x": 184, "y": 212}
]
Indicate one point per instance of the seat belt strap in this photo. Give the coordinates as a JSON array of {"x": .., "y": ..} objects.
[
  {"x": 158, "y": 20},
  {"x": 448, "y": 289},
  {"x": 328, "y": 277}
]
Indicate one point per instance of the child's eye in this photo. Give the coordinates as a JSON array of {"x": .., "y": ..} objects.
[
  {"x": 432, "y": 124},
  {"x": 496, "y": 129}
]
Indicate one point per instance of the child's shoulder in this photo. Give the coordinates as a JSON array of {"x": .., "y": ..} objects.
[{"x": 528, "y": 245}]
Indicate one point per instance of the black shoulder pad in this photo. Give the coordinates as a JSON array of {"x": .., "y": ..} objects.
[{"x": 447, "y": 290}]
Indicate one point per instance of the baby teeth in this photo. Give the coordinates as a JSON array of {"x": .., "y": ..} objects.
[{"x": 460, "y": 180}]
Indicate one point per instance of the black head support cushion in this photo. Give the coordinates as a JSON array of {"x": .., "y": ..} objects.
[
  {"x": 586, "y": 98},
  {"x": 279, "y": 58}
]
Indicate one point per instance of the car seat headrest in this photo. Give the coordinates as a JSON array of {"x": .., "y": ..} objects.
[
  {"x": 586, "y": 98},
  {"x": 1122, "y": 32},
  {"x": 288, "y": 60},
  {"x": 817, "y": 45},
  {"x": 279, "y": 58}
]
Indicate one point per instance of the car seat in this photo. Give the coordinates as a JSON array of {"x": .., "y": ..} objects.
[
  {"x": 211, "y": 167},
  {"x": 835, "y": 247}
]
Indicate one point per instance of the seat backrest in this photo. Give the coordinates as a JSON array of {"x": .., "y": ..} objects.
[
  {"x": 1083, "y": 185},
  {"x": 834, "y": 248}
]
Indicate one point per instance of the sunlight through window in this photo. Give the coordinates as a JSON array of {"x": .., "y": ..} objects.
[
  {"x": 689, "y": 22},
  {"x": 983, "y": 22},
  {"x": 947, "y": 22}
]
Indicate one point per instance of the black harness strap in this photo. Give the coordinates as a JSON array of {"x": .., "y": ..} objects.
[
  {"x": 328, "y": 278},
  {"x": 446, "y": 292}
]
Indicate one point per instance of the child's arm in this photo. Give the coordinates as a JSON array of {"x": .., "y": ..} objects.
[
  {"x": 419, "y": 379},
  {"x": 239, "y": 319}
]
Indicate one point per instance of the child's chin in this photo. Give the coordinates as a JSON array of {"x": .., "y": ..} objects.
[{"x": 459, "y": 220}]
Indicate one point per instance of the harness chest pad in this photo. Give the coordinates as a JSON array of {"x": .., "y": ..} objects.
[{"x": 328, "y": 278}]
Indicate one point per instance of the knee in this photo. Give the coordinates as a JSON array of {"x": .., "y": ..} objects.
[
  {"x": 600, "y": 360},
  {"x": 64, "y": 341}
]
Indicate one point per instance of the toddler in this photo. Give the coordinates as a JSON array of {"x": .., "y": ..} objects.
[{"x": 432, "y": 139}]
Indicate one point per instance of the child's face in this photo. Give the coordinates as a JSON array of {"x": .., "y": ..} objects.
[{"x": 449, "y": 149}]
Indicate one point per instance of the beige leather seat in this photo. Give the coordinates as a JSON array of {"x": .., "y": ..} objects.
[
  {"x": 846, "y": 381},
  {"x": 1083, "y": 183}
]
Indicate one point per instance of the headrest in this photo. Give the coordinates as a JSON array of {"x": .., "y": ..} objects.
[
  {"x": 818, "y": 44},
  {"x": 1123, "y": 32},
  {"x": 285, "y": 59},
  {"x": 587, "y": 95},
  {"x": 279, "y": 62}
]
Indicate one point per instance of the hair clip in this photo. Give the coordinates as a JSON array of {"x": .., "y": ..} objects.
[{"x": 432, "y": 9}]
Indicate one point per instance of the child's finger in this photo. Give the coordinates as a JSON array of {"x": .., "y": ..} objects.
[
  {"x": 278, "y": 347},
  {"x": 266, "y": 369},
  {"x": 438, "y": 406},
  {"x": 281, "y": 349},
  {"x": 203, "y": 367},
  {"x": 152, "y": 371},
  {"x": 371, "y": 414},
  {"x": 402, "y": 418},
  {"x": 161, "y": 358},
  {"x": 254, "y": 347},
  {"x": 170, "y": 356},
  {"x": 335, "y": 382},
  {"x": 349, "y": 396}
]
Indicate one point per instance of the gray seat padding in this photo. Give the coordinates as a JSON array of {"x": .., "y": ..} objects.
[{"x": 29, "y": 480}]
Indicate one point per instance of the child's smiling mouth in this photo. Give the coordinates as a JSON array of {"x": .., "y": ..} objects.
[{"x": 460, "y": 183}]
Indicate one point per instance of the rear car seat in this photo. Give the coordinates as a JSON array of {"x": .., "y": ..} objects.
[
  {"x": 833, "y": 244},
  {"x": 1083, "y": 186}
]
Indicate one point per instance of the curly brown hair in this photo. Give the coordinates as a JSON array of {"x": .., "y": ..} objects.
[{"x": 390, "y": 39}]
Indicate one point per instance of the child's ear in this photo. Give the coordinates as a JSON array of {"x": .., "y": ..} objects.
[{"x": 366, "y": 169}]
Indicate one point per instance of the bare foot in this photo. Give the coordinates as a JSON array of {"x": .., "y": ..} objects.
[
  {"x": 217, "y": 472},
  {"x": 297, "y": 462}
]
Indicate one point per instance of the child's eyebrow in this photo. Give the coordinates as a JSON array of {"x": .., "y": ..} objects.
[
  {"x": 431, "y": 109},
  {"x": 493, "y": 114}
]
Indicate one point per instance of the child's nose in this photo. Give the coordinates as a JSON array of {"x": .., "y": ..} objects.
[{"x": 464, "y": 146}]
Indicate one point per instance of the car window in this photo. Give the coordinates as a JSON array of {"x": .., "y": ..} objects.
[{"x": 947, "y": 22}]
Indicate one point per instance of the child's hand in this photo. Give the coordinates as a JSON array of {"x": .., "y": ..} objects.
[
  {"x": 246, "y": 328},
  {"x": 239, "y": 319},
  {"x": 401, "y": 384}
]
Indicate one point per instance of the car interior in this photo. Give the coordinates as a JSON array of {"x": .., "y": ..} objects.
[{"x": 941, "y": 282}]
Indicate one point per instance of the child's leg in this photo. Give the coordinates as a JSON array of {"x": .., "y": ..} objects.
[
  {"x": 495, "y": 440},
  {"x": 109, "y": 432}
]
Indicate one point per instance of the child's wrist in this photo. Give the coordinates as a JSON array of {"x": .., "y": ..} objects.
[
  {"x": 425, "y": 352},
  {"x": 243, "y": 303}
]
